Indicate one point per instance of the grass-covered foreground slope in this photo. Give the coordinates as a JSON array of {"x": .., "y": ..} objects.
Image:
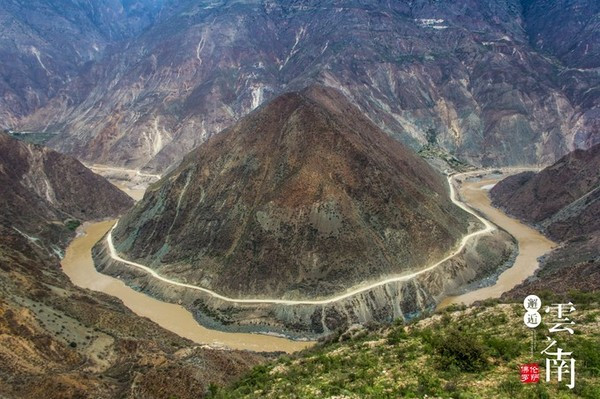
[{"x": 467, "y": 353}]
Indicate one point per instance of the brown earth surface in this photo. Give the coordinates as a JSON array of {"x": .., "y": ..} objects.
[
  {"x": 563, "y": 202},
  {"x": 60, "y": 341},
  {"x": 303, "y": 197}
]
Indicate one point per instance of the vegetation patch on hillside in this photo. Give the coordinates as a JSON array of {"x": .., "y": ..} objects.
[{"x": 470, "y": 352}]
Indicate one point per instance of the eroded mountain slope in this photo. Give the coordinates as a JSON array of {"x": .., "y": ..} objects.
[{"x": 304, "y": 197}]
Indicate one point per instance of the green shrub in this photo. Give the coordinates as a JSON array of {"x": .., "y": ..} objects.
[
  {"x": 538, "y": 391},
  {"x": 511, "y": 386},
  {"x": 590, "y": 317},
  {"x": 504, "y": 348},
  {"x": 72, "y": 224},
  {"x": 461, "y": 349},
  {"x": 586, "y": 390},
  {"x": 396, "y": 336},
  {"x": 580, "y": 298},
  {"x": 587, "y": 354},
  {"x": 428, "y": 384}
]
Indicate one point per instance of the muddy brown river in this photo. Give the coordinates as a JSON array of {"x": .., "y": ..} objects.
[
  {"x": 532, "y": 244},
  {"x": 78, "y": 265}
]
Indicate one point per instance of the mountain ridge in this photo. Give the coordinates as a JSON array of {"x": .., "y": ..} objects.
[
  {"x": 563, "y": 202},
  {"x": 473, "y": 78},
  {"x": 37, "y": 183},
  {"x": 292, "y": 193}
]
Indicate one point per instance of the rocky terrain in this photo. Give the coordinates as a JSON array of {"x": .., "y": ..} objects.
[
  {"x": 301, "y": 199},
  {"x": 45, "y": 195},
  {"x": 576, "y": 43},
  {"x": 304, "y": 197},
  {"x": 495, "y": 81},
  {"x": 59, "y": 341},
  {"x": 46, "y": 44},
  {"x": 562, "y": 201}
]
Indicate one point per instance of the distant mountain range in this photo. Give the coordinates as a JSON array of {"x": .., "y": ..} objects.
[
  {"x": 45, "y": 44},
  {"x": 495, "y": 82}
]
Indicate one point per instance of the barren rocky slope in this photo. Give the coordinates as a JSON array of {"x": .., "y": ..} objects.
[
  {"x": 576, "y": 43},
  {"x": 45, "y": 44},
  {"x": 563, "y": 201},
  {"x": 304, "y": 197},
  {"x": 59, "y": 341},
  {"x": 493, "y": 79},
  {"x": 44, "y": 195}
]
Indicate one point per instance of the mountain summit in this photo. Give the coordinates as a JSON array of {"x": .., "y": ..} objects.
[{"x": 304, "y": 196}]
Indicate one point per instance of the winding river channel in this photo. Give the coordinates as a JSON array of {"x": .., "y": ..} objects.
[
  {"x": 532, "y": 244},
  {"x": 78, "y": 265}
]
